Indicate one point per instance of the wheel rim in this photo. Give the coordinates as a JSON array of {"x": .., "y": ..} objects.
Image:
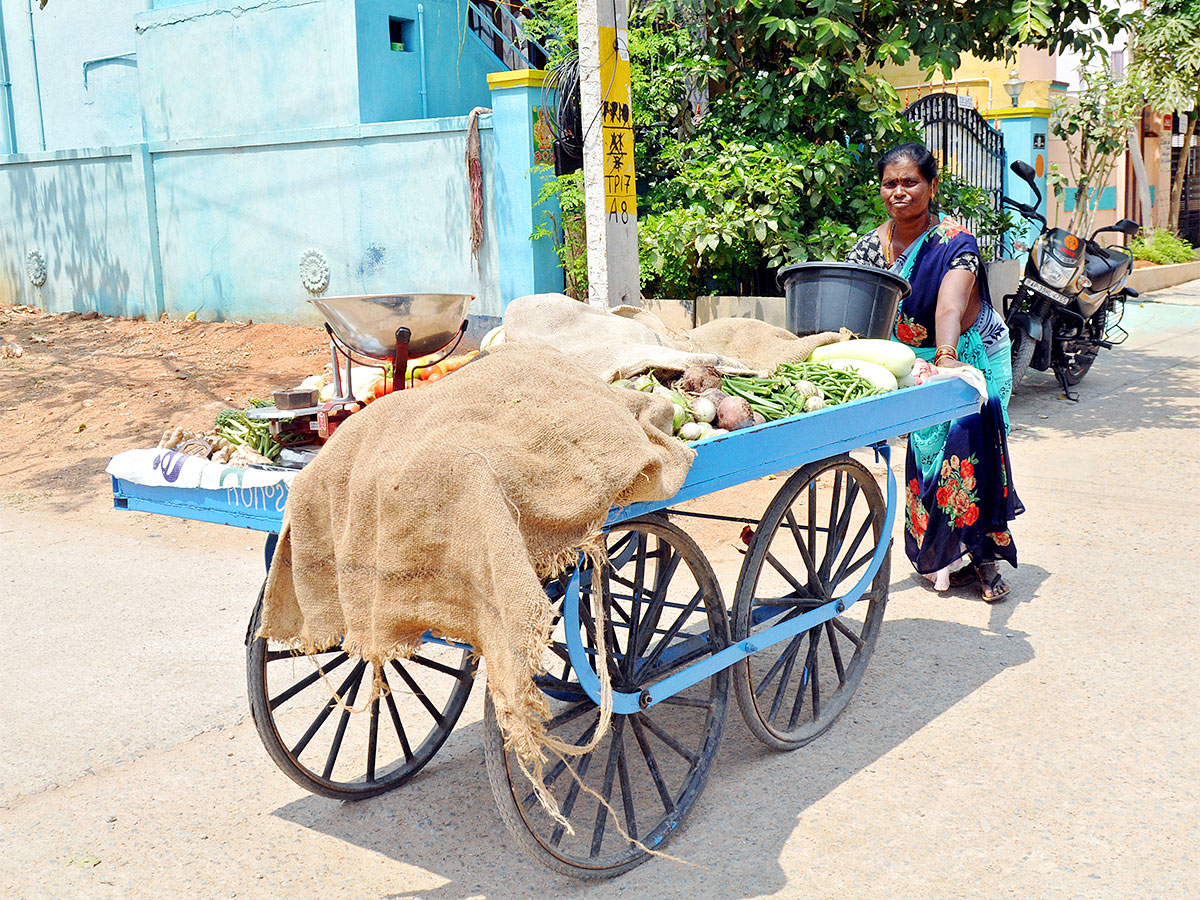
[
  {"x": 814, "y": 543},
  {"x": 665, "y": 603},
  {"x": 357, "y": 747}
]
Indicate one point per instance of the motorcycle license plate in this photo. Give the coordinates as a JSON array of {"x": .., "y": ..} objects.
[{"x": 1039, "y": 288}]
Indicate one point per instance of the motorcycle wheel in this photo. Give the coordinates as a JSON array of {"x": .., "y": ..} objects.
[
  {"x": 1022, "y": 352},
  {"x": 1076, "y": 365}
]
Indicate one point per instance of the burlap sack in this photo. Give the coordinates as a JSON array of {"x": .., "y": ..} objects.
[
  {"x": 612, "y": 346},
  {"x": 443, "y": 508},
  {"x": 759, "y": 344},
  {"x": 625, "y": 342}
]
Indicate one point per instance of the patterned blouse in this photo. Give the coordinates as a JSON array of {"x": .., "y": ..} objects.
[{"x": 869, "y": 252}]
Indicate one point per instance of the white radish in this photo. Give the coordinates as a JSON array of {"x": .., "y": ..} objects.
[
  {"x": 879, "y": 376},
  {"x": 704, "y": 409},
  {"x": 897, "y": 358}
]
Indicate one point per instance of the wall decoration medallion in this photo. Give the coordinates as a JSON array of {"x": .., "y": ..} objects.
[
  {"x": 35, "y": 267},
  {"x": 314, "y": 271}
]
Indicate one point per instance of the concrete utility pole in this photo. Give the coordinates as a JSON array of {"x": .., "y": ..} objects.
[{"x": 609, "y": 188}]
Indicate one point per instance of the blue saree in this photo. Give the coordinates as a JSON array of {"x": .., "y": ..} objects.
[{"x": 959, "y": 496}]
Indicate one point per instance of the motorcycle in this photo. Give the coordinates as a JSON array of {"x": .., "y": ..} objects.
[{"x": 1069, "y": 303}]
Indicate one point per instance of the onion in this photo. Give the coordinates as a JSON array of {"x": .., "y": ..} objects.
[
  {"x": 704, "y": 409},
  {"x": 697, "y": 379}
]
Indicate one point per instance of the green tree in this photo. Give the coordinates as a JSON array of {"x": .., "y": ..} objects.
[
  {"x": 1165, "y": 62},
  {"x": 1095, "y": 126},
  {"x": 758, "y": 120}
]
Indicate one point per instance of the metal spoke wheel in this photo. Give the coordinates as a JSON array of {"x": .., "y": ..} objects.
[
  {"x": 352, "y": 749},
  {"x": 814, "y": 543},
  {"x": 663, "y": 610}
]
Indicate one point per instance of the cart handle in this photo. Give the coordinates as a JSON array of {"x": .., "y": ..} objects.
[{"x": 628, "y": 702}]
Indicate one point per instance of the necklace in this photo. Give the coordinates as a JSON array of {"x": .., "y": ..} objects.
[{"x": 891, "y": 227}]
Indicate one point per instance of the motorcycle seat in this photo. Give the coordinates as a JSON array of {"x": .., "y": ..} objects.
[{"x": 1106, "y": 266}]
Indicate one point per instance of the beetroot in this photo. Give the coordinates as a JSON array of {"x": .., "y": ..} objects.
[
  {"x": 734, "y": 413},
  {"x": 698, "y": 379}
]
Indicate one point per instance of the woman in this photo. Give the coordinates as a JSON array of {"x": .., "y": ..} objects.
[{"x": 959, "y": 482}]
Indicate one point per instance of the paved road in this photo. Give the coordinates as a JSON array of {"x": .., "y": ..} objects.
[{"x": 1044, "y": 748}]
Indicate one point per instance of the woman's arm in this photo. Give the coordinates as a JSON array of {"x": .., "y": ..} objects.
[{"x": 957, "y": 296}]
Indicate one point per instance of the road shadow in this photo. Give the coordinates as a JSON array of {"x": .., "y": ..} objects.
[
  {"x": 445, "y": 821},
  {"x": 1139, "y": 376},
  {"x": 1026, "y": 581}
]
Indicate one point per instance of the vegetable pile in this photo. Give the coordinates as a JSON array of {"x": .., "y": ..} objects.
[
  {"x": 237, "y": 428},
  {"x": 708, "y": 404},
  {"x": 698, "y": 400}
]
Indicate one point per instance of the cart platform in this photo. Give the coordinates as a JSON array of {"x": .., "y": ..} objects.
[{"x": 720, "y": 462}]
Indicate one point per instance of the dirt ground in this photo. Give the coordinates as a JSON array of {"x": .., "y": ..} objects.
[{"x": 85, "y": 389}]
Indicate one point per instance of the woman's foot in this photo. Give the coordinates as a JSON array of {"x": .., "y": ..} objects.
[
  {"x": 991, "y": 582},
  {"x": 968, "y": 574}
]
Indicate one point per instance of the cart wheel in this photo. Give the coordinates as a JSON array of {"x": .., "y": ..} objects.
[
  {"x": 815, "y": 540},
  {"x": 663, "y": 601},
  {"x": 345, "y": 754}
]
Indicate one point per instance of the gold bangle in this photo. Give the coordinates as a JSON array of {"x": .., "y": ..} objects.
[{"x": 946, "y": 350}]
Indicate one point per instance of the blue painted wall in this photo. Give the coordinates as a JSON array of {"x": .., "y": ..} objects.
[
  {"x": 221, "y": 68},
  {"x": 456, "y": 62},
  {"x": 1105, "y": 198},
  {"x": 104, "y": 111},
  {"x": 234, "y": 142},
  {"x": 85, "y": 212},
  {"x": 386, "y": 204}
]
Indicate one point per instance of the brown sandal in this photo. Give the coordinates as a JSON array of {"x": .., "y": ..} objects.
[{"x": 991, "y": 582}]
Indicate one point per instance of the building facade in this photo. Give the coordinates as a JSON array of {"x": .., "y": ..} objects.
[{"x": 233, "y": 158}]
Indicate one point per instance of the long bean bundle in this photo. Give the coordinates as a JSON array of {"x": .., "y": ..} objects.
[
  {"x": 792, "y": 387},
  {"x": 838, "y": 385}
]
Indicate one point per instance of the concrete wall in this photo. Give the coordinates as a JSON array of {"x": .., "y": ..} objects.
[
  {"x": 247, "y": 149},
  {"x": 456, "y": 62},
  {"x": 85, "y": 213},
  {"x": 219, "y": 229},
  {"x": 228, "y": 67},
  {"x": 387, "y": 205}
]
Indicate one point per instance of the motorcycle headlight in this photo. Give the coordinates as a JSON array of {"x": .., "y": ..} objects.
[{"x": 1053, "y": 272}]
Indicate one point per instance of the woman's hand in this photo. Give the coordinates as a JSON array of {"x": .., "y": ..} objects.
[{"x": 949, "y": 362}]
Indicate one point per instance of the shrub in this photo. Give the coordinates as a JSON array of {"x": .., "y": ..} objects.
[{"x": 1161, "y": 246}]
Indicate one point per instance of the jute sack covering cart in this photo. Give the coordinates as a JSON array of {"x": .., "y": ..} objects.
[
  {"x": 443, "y": 509},
  {"x": 627, "y": 341}
]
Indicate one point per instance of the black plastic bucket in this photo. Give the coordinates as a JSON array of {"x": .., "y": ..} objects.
[{"x": 826, "y": 296}]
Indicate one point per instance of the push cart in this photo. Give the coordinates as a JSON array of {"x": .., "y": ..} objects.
[
  {"x": 794, "y": 642},
  {"x": 805, "y": 614}
]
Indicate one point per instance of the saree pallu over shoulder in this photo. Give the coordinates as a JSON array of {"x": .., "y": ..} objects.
[{"x": 959, "y": 494}]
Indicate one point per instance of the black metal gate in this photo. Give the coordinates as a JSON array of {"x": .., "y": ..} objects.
[
  {"x": 967, "y": 145},
  {"x": 1189, "y": 197}
]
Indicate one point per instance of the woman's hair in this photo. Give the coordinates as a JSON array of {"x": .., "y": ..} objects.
[{"x": 919, "y": 154}]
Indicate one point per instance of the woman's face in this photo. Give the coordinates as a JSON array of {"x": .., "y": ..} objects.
[{"x": 904, "y": 190}]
